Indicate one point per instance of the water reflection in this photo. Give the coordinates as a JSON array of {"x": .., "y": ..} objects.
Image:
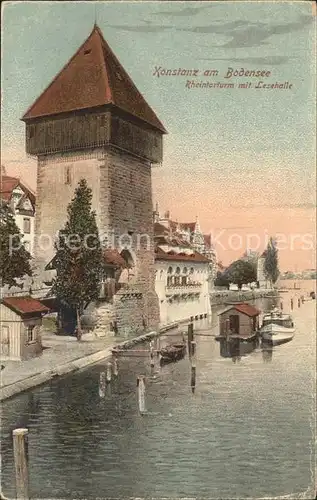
[
  {"x": 85, "y": 446},
  {"x": 267, "y": 352},
  {"x": 236, "y": 348}
]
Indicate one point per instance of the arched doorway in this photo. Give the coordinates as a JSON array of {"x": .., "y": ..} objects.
[{"x": 128, "y": 273}]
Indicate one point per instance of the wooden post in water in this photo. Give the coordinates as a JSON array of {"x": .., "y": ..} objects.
[
  {"x": 152, "y": 357},
  {"x": 193, "y": 348},
  {"x": 281, "y": 305},
  {"x": 115, "y": 366},
  {"x": 193, "y": 375},
  {"x": 292, "y": 304},
  {"x": 102, "y": 384},
  {"x": 190, "y": 337},
  {"x": 109, "y": 370},
  {"x": 20, "y": 450},
  {"x": 141, "y": 393}
]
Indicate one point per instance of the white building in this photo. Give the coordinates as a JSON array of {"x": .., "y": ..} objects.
[
  {"x": 22, "y": 202},
  {"x": 183, "y": 276},
  {"x": 261, "y": 277},
  {"x": 191, "y": 233}
]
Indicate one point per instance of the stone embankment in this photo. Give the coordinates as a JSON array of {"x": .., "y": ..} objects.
[
  {"x": 37, "y": 376},
  {"x": 220, "y": 297}
]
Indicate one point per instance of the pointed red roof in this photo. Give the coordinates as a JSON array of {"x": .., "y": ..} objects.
[
  {"x": 93, "y": 77},
  {"x": 7, "y": 186}
]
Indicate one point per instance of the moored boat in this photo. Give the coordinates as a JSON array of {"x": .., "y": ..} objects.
[
  {"x": 277, "y": 327},
  {"x": 172, "y": 352}
]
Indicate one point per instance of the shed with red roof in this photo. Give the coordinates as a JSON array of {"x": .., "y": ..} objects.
[
  {"x": 239, "y": 319},
  {"x": 21, "y": 319}
]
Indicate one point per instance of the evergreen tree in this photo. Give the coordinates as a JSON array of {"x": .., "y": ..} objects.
[
  {"x": 14, "y": 258},
  {"x": 271, "y": 262},
  {"x": 78, "y": 259}
]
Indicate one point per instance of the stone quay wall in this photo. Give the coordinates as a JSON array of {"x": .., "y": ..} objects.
[{"x": 219, "y": 297}]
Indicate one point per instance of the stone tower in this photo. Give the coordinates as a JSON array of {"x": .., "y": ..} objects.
[{"x": 91, "y": 122}]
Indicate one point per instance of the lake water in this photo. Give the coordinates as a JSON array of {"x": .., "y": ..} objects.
[{"x": 247, "y": 431}]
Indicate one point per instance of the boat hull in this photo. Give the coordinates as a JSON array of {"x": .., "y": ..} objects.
[
  {"x": 172, "y": 353},
  {"x": 276, "y": 335}
]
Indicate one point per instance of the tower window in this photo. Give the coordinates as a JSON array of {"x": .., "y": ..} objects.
[
  {"x": 68, "y": 175},
  {"x": 26, "y": 225}
]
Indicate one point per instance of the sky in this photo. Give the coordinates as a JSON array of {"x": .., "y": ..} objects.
[{"x": 241, "y": 159}]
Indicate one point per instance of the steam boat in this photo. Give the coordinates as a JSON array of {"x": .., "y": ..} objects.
[{"x": 277, "y": 327}]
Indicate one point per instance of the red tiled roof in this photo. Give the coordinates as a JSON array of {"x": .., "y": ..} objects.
[
  {"x": 247, "y": 309},
  {"x": 24, "y": 305},
  {"x": 8, "y": 184},
  {"x": 112, "y": 257},
  {"x": 196, "y": 257},
  {"x": 93, "y": 77}
]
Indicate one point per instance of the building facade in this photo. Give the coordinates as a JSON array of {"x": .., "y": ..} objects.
[
  {"x": 91, "y": 122},
  {"x": 22, "y": 203},
  {"x": 262, "y": 280},
  {"x": 183, "y": 280}
]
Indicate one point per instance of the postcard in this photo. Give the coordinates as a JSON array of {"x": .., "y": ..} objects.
[{"x": 158, "y": 250}]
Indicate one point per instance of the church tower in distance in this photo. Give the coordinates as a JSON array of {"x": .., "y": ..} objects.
[{"x": 91, "y": 122}]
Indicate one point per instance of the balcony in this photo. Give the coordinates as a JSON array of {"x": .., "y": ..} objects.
[{"x": 188, "y": 289}]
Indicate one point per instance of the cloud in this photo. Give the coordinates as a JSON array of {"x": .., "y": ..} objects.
[
  {"x": 268, "y": 60},
  {"x": 248, "y": 34},
  {"x": 224, "y": 28},
  {"x": 253, "y": 36},
  {"x": 149, "y": 28},
  {"x": 186, "y": 11}
]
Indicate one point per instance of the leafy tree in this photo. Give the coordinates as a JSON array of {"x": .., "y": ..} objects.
[
  {"x": 252, "y": 258},
  {"x": 241, "y": 272},
  {"x": 78, "y": 260},
  {"x": 222, "y": 279},
  {"x": 271, "y": 262},
  {"x": 289, "y": 275},
  {"x": 14, "y": 258}
]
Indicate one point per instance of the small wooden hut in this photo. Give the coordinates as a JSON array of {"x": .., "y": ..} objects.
[
  {"x": 240, "y": 320},
  {"x": 21, "y": 319}
]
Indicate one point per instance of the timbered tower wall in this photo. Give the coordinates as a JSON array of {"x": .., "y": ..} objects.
[{"x": 91, "y": 122}]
